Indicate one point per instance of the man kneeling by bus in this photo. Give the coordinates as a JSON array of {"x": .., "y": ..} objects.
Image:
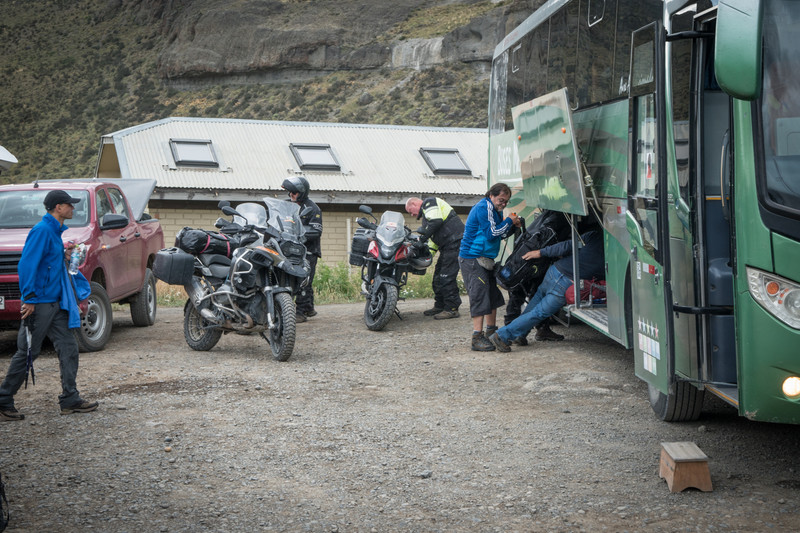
[{"x": 550, "y": 296}]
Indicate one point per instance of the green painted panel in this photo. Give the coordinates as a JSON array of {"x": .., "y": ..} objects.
[
  {"x": 787, "y": 257},
  {"x": 771, "y": 354},
  {"x": 549, "y": 154},
  {"x": 602, "y": 135}
]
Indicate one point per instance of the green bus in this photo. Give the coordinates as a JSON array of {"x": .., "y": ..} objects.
[{"x": 678, "y": 124}]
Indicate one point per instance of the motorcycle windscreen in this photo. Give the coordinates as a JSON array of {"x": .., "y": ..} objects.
[
  {"x": 391, "y": 229},
  {"x": 548, "y": 152},
  {"x": 284, "y": 216}
]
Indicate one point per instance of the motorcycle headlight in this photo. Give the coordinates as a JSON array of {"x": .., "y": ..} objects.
[
  {"x": 293, "y": 249},
  {"x": 779, "y": 296},
  {"x": 387, "y": 251}
]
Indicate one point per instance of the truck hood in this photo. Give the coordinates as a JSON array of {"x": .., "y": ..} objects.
[
  {"x": 138, "y": 192},
  {"x": 13, "y": 239}
]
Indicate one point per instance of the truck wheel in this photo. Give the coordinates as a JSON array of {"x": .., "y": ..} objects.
[
  {"x": 143, "y": 306},
  {"x": 684, "y": 404},
  {"x": 96, "y": 323},
  {"x": 199, "y": 333}
]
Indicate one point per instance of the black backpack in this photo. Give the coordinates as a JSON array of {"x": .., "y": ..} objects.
[{"x": 548, "y": 228}]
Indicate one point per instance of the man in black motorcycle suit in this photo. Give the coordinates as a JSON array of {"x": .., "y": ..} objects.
[
  {"x": 311, "y": 217},
  {"x": 444, "y": 228}
]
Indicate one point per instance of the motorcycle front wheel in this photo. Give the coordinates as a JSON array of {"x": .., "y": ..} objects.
[
  {"x": 380, "y": 307},
  {"x": 281, "y": 338},
  {"x": 199, "y": 333}
]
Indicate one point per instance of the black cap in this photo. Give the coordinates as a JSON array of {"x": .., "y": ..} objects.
[{"x": 54, "y": 198}]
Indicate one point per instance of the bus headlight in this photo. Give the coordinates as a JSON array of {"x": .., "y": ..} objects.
[
  {"x": 791, "y": 387},
  {"x": 779, "y": 296}
]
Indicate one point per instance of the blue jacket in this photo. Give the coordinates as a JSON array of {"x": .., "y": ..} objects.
[
  {"x": 484, "y": 230},
  {"x": 591, "y": 259},
  {"x": 43, "y": 276}
]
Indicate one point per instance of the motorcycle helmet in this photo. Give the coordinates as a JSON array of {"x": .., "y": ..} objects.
[
  {"x": 297, "y": 184},
  {"x": 421, "y": 258}
]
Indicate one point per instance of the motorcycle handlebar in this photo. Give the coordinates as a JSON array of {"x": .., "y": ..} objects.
[{"x": 364, "y": 223}]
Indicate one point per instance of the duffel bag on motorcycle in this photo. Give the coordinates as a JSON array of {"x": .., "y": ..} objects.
[{"x": 199, "y": 241}]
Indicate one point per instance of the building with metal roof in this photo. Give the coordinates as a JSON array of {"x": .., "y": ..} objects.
[{"x": 199, "y": 161}]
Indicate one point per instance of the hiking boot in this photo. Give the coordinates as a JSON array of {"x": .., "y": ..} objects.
[
  {"x": 481, "y": 343},
  {"x": 310, "y": 313},
  {"x": 444, "y": 315},
  {"x": 9, "y": 414},
  {"x": 300, "y": 318},
  {"x": 522, "y": 340},
  {"x": 490, "y": 330},
  {"x": 82, "y": 407},
  {"x": 433, "y": 311},
  {"x": 546, "y": 334},
  {"x": 499, "y": 343}
]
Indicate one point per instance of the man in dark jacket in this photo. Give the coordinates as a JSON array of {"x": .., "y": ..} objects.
[
  {"x": 311, "y": 217},
  {"x": 49, "y": 309},
  {"x": 550, "y": 297},
  {"x": 444, "y": 228}
]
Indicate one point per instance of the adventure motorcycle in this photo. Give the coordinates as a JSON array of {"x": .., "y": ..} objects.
[
  {"x": 252, "y": 290},
  {"x": 386, "y": 253}
]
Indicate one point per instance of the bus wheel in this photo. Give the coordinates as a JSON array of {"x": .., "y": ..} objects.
[{"x": 682, "y": 404}]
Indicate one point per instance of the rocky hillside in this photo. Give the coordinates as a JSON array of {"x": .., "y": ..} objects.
[{"x": 73, "y": 70}]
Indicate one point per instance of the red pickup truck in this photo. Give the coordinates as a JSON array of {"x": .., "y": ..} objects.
[{"x": 120, "y": 242}]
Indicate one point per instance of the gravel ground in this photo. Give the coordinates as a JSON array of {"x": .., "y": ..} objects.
[{"x": 401, "y": 430}]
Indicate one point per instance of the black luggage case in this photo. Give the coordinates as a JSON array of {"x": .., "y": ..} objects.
[
  {"x": 173, "y": 266},
  {"x": 359, "y": 247}
]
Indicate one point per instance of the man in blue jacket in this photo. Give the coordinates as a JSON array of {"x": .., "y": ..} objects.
[
  {"x": 550, "y": 296},
  {"x": 484, "y": 230},
  {"x": 49, "y": 308}
]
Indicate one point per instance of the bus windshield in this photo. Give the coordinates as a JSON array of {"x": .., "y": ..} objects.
[{"x": 780, "y": 105}]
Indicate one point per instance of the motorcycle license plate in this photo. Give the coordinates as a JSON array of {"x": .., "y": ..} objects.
[{"x": 2, "y": 302}]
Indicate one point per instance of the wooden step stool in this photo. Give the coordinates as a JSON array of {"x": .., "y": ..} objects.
[{"x": 684, "y": 465}]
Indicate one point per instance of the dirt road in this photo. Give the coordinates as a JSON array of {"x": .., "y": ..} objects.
[{"x": 400, "y": 430}]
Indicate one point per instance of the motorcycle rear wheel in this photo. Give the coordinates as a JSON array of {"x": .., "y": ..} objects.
[
  {"x": 281, "y": 338},
  {"x": 379, "y": 308},
  {"x": 199, "y": 333}
]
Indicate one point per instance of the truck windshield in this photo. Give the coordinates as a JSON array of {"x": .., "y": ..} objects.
[
  {"x": 24, "y": 209},
  {"x": 780, "y": 105}
]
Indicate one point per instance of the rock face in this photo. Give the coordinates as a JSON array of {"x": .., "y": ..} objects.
[{"x": 291, "y": 39}]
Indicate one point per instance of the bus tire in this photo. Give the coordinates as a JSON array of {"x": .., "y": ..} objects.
[{"x": 683, "y": 403}]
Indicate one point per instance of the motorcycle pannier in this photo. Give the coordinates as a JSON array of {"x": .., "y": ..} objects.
[
  {"x": 359, "y": 247},
  {"x": 173, "y": 266}
]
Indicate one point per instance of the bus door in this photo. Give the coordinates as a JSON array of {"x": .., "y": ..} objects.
[
  {"x": 646, "y": 208},
  {"x": 715, "y": 268}
]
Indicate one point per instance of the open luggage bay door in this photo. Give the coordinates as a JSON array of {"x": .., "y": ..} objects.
[{"x": 548, "y": 154}]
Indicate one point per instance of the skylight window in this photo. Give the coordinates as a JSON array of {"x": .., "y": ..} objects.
[
  {"x": 445, "y": 161},
  {"x": 193, "y": 152},
  {"x": 315, "y": 156}
]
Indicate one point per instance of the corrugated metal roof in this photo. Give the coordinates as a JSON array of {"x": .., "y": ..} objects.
[{"x": 255, "y": 155}]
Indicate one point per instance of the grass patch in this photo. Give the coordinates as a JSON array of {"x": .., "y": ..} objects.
[
  {"x": 428, "y": 22},
  {"x": 170, "y": 295}
]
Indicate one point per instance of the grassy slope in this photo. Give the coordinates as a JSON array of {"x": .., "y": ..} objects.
[{"x": 73, "y": 71}]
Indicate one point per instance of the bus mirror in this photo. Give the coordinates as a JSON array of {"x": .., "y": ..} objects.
[{"x": 737, "y": 57}]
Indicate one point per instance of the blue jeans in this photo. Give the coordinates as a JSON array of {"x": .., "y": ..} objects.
[{"x": 549, "y": 298}]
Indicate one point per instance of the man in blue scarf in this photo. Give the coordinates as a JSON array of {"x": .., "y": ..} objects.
[{"x": 50, "y": 298}]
